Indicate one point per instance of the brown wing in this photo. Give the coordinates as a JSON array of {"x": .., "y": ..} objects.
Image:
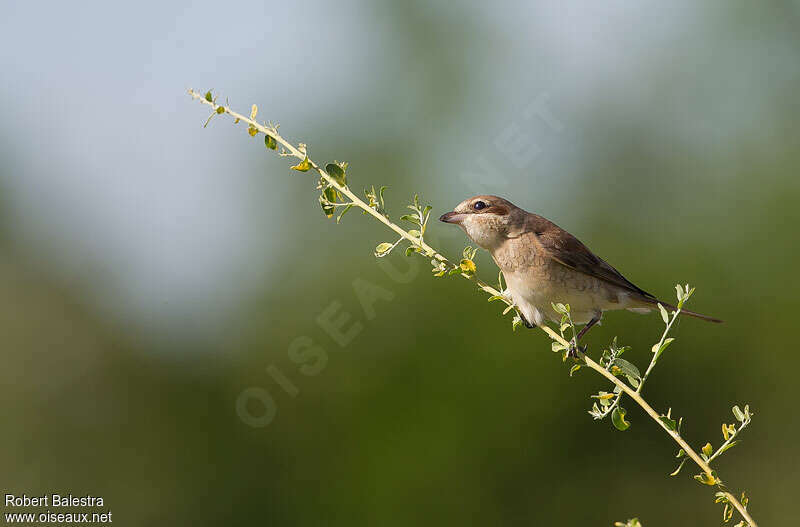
[{"x": 567, "y": 250}]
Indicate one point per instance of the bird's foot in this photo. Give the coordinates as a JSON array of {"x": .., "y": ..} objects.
[{"x": 575, "y": 350}]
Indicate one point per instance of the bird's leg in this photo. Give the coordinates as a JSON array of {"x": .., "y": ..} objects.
[{"x": 573, "y": 350}]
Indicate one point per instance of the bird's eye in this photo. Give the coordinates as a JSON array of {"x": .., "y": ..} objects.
[{"x": 479, "y": 205}]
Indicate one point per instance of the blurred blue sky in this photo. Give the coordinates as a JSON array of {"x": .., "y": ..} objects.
[
  {"x": 153, "y": 270},
  {"x": 110, "y": 179}
]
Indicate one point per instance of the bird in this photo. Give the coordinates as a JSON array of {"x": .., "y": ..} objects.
[{"x": 545, "y": 265}]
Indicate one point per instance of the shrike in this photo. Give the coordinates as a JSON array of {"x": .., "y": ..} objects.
[{"x": 544, "y": 264}]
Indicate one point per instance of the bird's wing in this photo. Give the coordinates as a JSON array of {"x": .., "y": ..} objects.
[{"x": 564, "y": 248}]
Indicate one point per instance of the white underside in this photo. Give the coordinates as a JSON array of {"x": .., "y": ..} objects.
[{"x": 536, "y": 304}]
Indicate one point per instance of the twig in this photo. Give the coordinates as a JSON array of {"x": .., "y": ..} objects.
[
  {"x": 427, "y": 250},
  {"x": 657, "y": 418}
]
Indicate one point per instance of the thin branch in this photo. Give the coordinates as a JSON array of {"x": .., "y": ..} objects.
[
  {"x": 427, "y": 250},
  {"x": 659, "y": 347},
  {"x": 657, "y": 418},
  {"x": 724, "y": 446},
  {"x": 344, "y": 189}
]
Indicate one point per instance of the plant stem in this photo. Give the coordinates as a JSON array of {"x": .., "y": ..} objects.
[
  {"x": 610, "y": 408},
  {"x": 431, "y": 252},
  {"x": 678, "y": 439},
  {"x": 344, "y": 189},
  {"x": 721, "y": 448},
  {"x": 657, "y": 353},
  {"x": 652, "y": 413}
]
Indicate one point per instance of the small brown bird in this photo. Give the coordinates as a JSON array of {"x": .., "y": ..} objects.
[{"x": 544, "y": 264}]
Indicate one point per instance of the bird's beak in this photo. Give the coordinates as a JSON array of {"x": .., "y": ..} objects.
[{"x": 452, "y": 217}]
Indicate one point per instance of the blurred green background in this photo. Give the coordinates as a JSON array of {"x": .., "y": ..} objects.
[{"x": 153, "y": 270}]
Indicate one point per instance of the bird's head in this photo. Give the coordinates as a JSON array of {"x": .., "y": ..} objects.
[{"x": 487, "y": 220}]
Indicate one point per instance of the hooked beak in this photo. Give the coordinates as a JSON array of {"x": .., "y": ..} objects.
[{"x": 452, "y": 217}]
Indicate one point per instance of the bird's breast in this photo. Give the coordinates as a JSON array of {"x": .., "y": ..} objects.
[
  {"x": 518, "y": 255},
  {"x": 534, "y": 288}
]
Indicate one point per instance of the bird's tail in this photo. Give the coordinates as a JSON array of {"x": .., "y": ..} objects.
[{"x": 684, "y": 311}]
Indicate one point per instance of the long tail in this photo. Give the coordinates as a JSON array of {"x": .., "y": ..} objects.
[{"x": 685, "y": 311}]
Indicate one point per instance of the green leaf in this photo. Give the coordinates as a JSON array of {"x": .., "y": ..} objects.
[
  {"x": 269, "y": 142},
  {"x": 727, "y": 513},
  {"x": 727, "y": 447},
  {"x": 604, "y": 397},
  {"x": 344, "y": 211},
  {"x": 629, "y": 369},
  {"x": 737, "y": 413},
  {"x": 495, "y": 297},
  {"x": 209, "y": 97},
  {"x": 516, "y": 322},
  {"x": 680, "y": 466},
  {"x": 706, "y": 479},
  {"x": 707, "y": 449},
  {"x": 664, "y": 315},
  {"x": 669, "y": 423},
  {"x": 560, "y": 308},
  {"x": 469, "y": 252},
  {"x": 302, "y": 166},
  {"x": 326, "y": 200},
  {"x": 410, "y": 217},
  {"x": 689, "y": 292},
  {"x": 659, "y": 350},
  {"x": 383, "y": 249},
  {"x": 574, "y": 368},
  {"x": 335, "y": 171},
  {"x": 618, "y": 418}
]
